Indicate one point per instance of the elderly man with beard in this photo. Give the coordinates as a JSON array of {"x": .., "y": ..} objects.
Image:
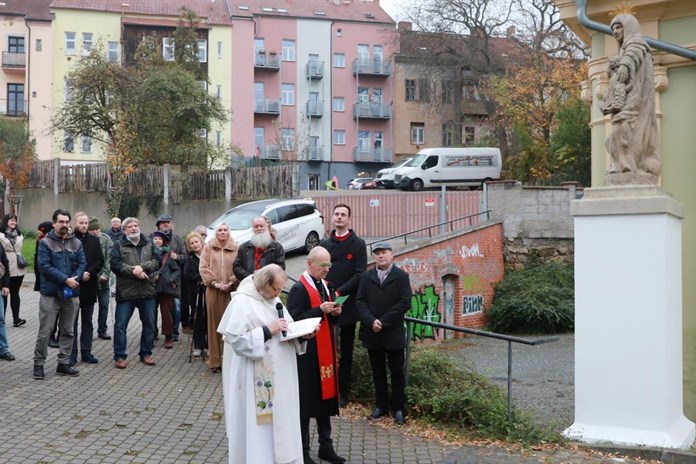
[{"x": 258, "y": 252}]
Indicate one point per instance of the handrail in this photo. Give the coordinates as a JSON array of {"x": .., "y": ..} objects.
[
  {"x": 405, "y": 234},
  {"x": 510, "y": 340}
]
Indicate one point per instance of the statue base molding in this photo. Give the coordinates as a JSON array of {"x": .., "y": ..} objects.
[
  {"x": 628, "y": 318},
  {"x": 631, "y": 178}
]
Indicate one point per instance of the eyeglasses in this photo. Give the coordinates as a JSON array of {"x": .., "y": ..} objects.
[{"x": 325, "y": 265}]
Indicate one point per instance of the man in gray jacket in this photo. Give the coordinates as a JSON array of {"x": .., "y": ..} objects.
[{"x": 134, "y": 261}]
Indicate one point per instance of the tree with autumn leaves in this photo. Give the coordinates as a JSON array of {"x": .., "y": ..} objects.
[{"x": 17, "y": 155}]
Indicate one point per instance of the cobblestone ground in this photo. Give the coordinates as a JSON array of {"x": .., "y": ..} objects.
[{"x": 168, "y": 413}]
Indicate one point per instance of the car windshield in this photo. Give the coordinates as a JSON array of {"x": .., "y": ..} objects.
[
  {"x": 403, "y": 163},
  {"x": 239, "y": 218},
  {"x": 416, "y": 161}
]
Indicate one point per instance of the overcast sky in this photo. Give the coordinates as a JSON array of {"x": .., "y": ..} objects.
[{"x": 393, "y": 7}]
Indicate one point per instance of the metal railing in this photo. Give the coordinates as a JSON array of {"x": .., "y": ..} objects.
[
  {"x": 428, "y": 228},
  {"x": 509, "y": 339}
]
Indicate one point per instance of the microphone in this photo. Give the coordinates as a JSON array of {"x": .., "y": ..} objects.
[{"x": 279, "y": 308}]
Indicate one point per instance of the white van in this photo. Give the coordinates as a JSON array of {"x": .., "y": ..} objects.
[{"x": 452, "y": 167}]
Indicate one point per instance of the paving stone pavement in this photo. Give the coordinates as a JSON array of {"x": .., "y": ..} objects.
[{"x": 168, "y": 413}]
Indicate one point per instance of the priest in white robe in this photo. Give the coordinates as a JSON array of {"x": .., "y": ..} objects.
[{"x": 262, "y": 402}]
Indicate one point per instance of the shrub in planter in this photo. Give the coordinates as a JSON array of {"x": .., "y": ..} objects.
[{"x": 539, "y": 299}]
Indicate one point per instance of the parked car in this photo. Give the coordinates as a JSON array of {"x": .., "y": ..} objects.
[
  {"x": 298, "y": 223},
  {"x": 359, "y": 183},
  {"x": 385, "y": 177}
]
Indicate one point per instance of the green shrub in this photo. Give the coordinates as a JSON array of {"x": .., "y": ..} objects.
[{"x": 539, "y": 299}]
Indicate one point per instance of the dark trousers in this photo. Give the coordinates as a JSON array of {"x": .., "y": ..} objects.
[
  {"x": 346, "y": 340},
  {"x": 378, "y": 361},
  {"x": 166, "y": 306},
  {"x": 85, "y": 316},
  {"x": 200, "y": 320},
  {"x": 323, "y": 430},
  {"x": 103, "y": 297},
  {"x": 15, "y": 284}
]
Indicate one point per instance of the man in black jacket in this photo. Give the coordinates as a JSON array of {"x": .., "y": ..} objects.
[
  {"x": 348, "y": 262},
  {"x": 88, "y": 290},
  {"x": 383, "y": 299},
  {"x": 258, "y": 252},
  {"x": 311, "y": 297}
]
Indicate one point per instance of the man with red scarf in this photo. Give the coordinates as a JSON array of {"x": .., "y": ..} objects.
[
  {"x": 258, "y": 251},
  {"x": 317, "y": 369}
]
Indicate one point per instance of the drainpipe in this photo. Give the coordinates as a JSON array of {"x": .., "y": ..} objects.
[
  {"x": 654, "y": 43},
  {"x": 27, "y": 51}
]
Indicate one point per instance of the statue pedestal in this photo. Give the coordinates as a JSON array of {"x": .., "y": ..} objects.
[{"x": 628, "y": 318}]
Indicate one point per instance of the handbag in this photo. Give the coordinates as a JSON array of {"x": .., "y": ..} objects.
[{"x": 21, "y": 261}]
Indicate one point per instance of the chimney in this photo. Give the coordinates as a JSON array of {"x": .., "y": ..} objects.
[
  {"x": 510, "y": 32},
  {"x": 404, "y": 25}
]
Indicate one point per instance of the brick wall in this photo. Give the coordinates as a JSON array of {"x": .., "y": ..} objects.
[{"x": 453, "y": 278}]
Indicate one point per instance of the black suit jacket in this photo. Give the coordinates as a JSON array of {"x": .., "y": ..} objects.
[
  {"x": 387, "y": 302},
  {"x": 95, "y": 263}
]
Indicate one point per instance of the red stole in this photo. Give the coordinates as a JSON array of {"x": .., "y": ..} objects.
[{"x": 325, "y": 349}]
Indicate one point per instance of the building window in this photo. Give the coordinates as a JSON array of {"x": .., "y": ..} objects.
[
  {"x": 15, "y": 99},
  {"x": 69, "y": 43},
  {"x": 410, "y": 87},
  {"x": 168, "y": 48},
  {"x": 85, "y": 143},
  {"x": 447, "y": 90},
  {"x": 449, "y": 135},
  {"x": 288, "y": 50},
  {"x": 218, "y": 92},
  {"x": 68, "y": 142},
  {"x": 219, "y": 50},
  {"x": 339, "y": 60},
  {"x": 339, "y": 137},
  {"x": 339, "y": 104},
  {"x": 424, "y": 91},
  {"x": 287, "y": 139},
  {"x": 87, "y": 42},
  {"x": 15, "y": 44},
  {"x": 112, "y": 52},
  {"x": 39, "y": 45},
  {"x": 69, "y": 90},
  {"x": 417, "y": 133},
  {"x": 469, "y": 134},
  {"x": 287, "y": 95},
  {"x": 218, "y": 138},
  {"x": 470, "y": 92},
  {"x": 202, "y": 51}
]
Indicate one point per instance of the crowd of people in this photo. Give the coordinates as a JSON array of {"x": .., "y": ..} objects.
[{"x": 227, "y": 296}]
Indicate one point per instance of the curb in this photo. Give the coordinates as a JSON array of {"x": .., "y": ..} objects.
[{"x": 665, "y": 455}]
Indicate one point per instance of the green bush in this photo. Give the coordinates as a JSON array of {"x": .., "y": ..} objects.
[{"x": 539, "y": 299}]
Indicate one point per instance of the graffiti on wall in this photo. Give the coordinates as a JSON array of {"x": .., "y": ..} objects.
[
  {"x": 424, "y": 304},
  {"x": 471, "y": 252},
  {"x": 473, "y": 286},
  {"x": 472, "y": 304}
]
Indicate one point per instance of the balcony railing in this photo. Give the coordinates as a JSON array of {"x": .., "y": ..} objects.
[
  {"x": 270, "y": 152},
  {"x": 372, "y": 155},
  {"x": 14, "y": 60},
  {"x": 315, "y": 153},
  {"x": 371, "y": 111},
  {"x": 372, "y": 67},
  {"x": 315, "y": 108},
  {"x": 315, "y": 69},
  {"x": 267, "y": 61},
  {"x": 262, "y": 106},
  {"x": 14, "y": 108}
]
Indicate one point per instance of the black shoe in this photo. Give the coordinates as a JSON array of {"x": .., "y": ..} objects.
[
  {"x": 307, "y": 459},
  {"x": 53, "y": 343},
  {"x": 89, "y": 358},
  {"x": 38, "y": 372},
  {"x": 377, "y": 413},
  {"x": 399, "y": 417},
  {"x": 328, "y": 454},
  {"x": 7, "y": 356},
  {"x": 19, "y": 322},
  {"x": 104, "y": 336},
  {"x": 64, "y": 369},
  {"x": 342, "y": 401},
  {"x": 72, "y": 360}
]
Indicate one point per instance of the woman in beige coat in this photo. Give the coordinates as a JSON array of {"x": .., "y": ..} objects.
[{"x": 216, "y": 272}]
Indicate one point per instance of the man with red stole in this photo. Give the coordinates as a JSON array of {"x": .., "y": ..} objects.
[{"x": 318, "y": 368}]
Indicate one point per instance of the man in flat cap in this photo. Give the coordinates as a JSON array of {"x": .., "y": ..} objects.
[
  {"x": 177, "y": 252},
  {"x": 384, "y": 297}
]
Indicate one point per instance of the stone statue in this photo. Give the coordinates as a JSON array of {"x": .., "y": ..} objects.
[{"x": 633, "y": 143}]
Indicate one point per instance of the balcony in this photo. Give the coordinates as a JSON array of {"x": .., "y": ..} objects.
[
  {"x": 262, "y": 106},
  {"x": 366, "y": 110},
  {"x": 368, "y": 67},
  {"x": 315, "y": 70},
  {"x": 315, "y": 153},
  {"x": 372, "y": 155},
  {"x": 269, "y": 61},
  {"x": 14, "y": 62},
  {"x": 271, "y": 152},
  {"x": 315, "y": 108}
]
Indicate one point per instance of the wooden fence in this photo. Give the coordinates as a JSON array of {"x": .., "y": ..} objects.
[{"x": 239, "y": 183}]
